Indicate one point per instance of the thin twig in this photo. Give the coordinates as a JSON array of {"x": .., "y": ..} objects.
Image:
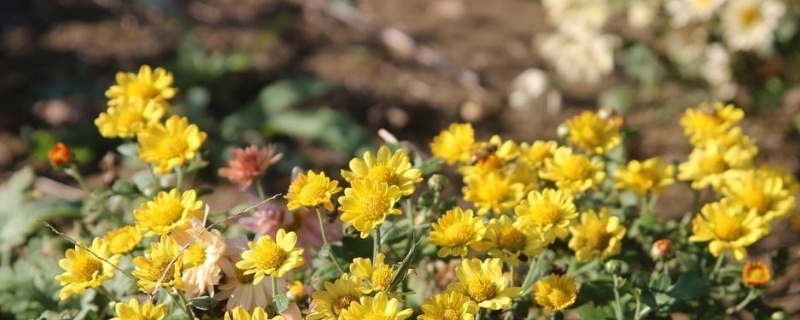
[{"x": 61, "y": 234}]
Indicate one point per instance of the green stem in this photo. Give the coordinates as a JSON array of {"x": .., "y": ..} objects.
[
  {"x": 617, "y": 302},
  {"x": 75, "y": 174},
  {"x": 108, "y": 294},
  {"x": 376, "y": 248},
  {"x": 179, "y": 184},
  {"x": 274, "y": 282},
  {"x": 156, "y": 181},
  {"x": 184, "y": 304},
  {"x": 325, "y": 242},
  {"x": 636, "y": 314},
  {"x": 717, "y": 266},
  {"x": 513, "y": 274},
  {"x": 747, "y": 299},
  {"x": 260, "y": 189},
  {"x": 526, "y": 283}
]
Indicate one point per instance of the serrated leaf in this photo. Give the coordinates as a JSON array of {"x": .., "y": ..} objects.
[
  {"x": 689, "y": 285},
  {"x": 202, "y": 302}
]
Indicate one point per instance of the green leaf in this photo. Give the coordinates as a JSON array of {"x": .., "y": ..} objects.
[
  {"x": 591, "y": 312},
  {"x": 202, "y": 302},
  {"x": 324, "y": 125},
  {"x": 597, "y": 291},
  {"x": 690, "y": 285},
  {"x": 281, "y": 302},
  {"x": 284, "y": 94}
]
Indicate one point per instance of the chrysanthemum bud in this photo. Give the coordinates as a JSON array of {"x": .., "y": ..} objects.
[
  {"x": 755, "y": 274},
  {"x": 438, "y": 182},
  {"x": 613, "y": 266},
  {"x": 661, "y": 248},
  {"x": 59, "y": 155},
  {"x": 779, "y": 315},
  {"x": 562, "y": 131}
]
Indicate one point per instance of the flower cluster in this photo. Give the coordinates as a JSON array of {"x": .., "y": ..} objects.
[{"x": 538, "y": 227}]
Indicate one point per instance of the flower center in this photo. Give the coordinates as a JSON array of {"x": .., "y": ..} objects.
[
  {"x": 341, "y": 303},
  {"x": 546, "y": 214},
  {"x": 158, "y": 268},
  {"x": 244, "y": 278},
  {"x": 728, "y": 228},
  {"x": 589, "y": 135},
  {"x": 756, "y": 275},
  {"x": 312, "y": 192},
  {"x": 142, "y": 89},
  {"x": 757, "y": 200},
  {"x": 167, "y": 212},
  {"x": 459, "y": 233},
  {"x": 129, "y": 116},
  {"x": 449, "y": 314},
  {"x": 750, "y": 16},
  {"x": 511, "y": 239},
  {"x": 576, "y": 168},
  {"x": 493, "y": 190},
  {"x": 597, "y": 238},
  {"x": 172, "y": 145},
  {"x": 381, "y": 277},
  {"x": 713, "y": 164},
  {"x": 270, "y": 256},
  {"x": 195, "y": 255},
  {"x": 375, "y": 207},
  {"x": 480, "y": 289},
  {"x": 383, "y": 173},
  {"x": 558, "y": 297},
  {"x": 86, "y": 268}
]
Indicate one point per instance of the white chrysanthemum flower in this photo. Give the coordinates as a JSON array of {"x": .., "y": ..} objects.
[
  {"x": 579, "y": 58},
  {"x": 642, "y": 13},
  {"x": 527, "y": 88},
  {"x": 717, "y": 71},
  {"x": 685, "y": 11},
  {"x": 580, "y": 16},
  {"x": 750, "y": 24}
]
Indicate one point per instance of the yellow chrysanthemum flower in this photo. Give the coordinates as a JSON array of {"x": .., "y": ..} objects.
[
  {"x": 394, "y": 169},
  {"x": 755, "y": 274},
  {"x": 789, "y": 180},
  {"x": 573, "y": 173},
  {"x": 272, "y": 258},
  {"x": 240, "y": 313},
  {"x": 456, "y": 231},
  {"x": 129, "y": 117},
  {"x": 168, "y": 211},
  {"x": 592, "y": 133},
  {"x": 707, "y": 164},
  {"x": 707, "y": 122},
  {"x": 170, "y": 144},
  {"x": 160, "y": 265},
  {"x": 761, "y": 191},
  {"x": 379, "y": 307},
  {"x": 448, "y": 306},
  {"x": 598, "y": 235},
  {"x": 379, "y": 275},
  {"x": 311, "y": 191},
  {"x": 728, "y": 227},
  {"x": 148, "y": 84},
  {"x": 454, "y": 144},
  {"x": 328, "y": 304},
  {"x": 649, "y": 176},
  {"x": 484, "y": 283},
  {"x": 367, "y": 204},
  {"x": 535, "y": 154},
  {"x": 83, "y": 270},
  {"x": 555, "y": 293},
  {"x": 492, "y": 192},
  {"x": 507, "y": 240},
  {"x": 123, "y": 240},
  {"x": 549, "y": 212},
  {"x": 135, "y": 311}
]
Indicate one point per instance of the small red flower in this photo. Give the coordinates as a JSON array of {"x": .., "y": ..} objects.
[
  {"x": 59, "y": 154},
  {"x": 246, "y": 165},
  {"x": 661, "y": 249}
]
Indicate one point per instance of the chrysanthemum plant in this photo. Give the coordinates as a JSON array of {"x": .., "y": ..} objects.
[{"x": 540, "y": 229}]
